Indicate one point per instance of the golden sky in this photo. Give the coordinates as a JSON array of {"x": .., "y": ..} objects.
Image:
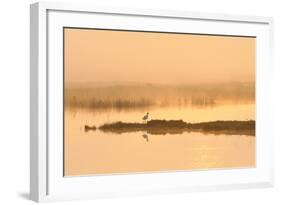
[{"x": 124, "y": 56}]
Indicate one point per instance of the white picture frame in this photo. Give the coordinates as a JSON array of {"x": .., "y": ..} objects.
[{"x": 47, "y": 21}]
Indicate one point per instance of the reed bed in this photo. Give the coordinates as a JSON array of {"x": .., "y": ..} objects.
[{"x": 126, "y": 97}]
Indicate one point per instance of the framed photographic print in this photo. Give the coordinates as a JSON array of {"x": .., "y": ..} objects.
[{"x": 131, "y": 102}]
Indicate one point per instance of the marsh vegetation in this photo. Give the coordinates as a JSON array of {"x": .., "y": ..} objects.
[
  {"x": 144, "y": 96},
  {"x": 152, "y": 101},
  {"x": 202, "y": 125},
  {"x": 179, "y": 126}
]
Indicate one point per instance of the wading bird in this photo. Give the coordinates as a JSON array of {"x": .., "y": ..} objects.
[{"x": 145, "y": 117}]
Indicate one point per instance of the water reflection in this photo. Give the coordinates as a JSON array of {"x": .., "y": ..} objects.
[
  {"x": 90, "y": 150},
  {"x": 143, "y": 97},
  {"x": 145, "y": 136},
  {"x": 95, "y": 151}
]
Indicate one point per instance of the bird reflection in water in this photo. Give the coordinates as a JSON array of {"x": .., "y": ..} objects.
[
  {"x": 145, "y": 136},
  {"x": 145, "y": 118}
]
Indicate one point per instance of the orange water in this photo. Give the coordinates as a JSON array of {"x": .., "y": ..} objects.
[{"x": 96, "y": 152}]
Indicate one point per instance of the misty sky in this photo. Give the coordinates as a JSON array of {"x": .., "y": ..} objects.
[{"x": 123, "y": 56}]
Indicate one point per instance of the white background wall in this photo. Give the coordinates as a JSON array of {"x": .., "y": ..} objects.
[{"x": 14, "y": 101}]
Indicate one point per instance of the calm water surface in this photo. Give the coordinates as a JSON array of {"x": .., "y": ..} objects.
[{"x": 97, "y": 152}]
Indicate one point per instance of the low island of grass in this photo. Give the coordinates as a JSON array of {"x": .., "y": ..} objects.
[{"x": 179, "y": 126}]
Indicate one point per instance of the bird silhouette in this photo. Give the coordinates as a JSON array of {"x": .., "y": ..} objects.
[{"x": 145, "y": 118}]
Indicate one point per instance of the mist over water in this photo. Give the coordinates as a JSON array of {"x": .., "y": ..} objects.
[
  {"x": 105, "y": 152},
  {"x": 148, "y": 96},
  {"x": 175, "y": 79}
]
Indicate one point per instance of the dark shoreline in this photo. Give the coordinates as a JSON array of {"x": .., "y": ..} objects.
[{"x": 179, "y": 126}]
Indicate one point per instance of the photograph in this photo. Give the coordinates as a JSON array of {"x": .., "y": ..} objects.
[{"x": 153, "y": 101}]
